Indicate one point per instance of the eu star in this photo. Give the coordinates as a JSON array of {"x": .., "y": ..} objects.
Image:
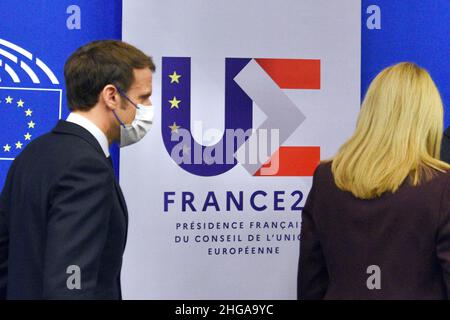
[
  {"x": 20, "y": 103},
  {"x": 174, "y": 77},
  {"x": 174, "y": 103},
  {"x": 27, "y": 136},
  {"x": 28, "y": 113},
  {"x": 174, "y": 128},
  {"x": 7, "y": 148},
  {"x": 31, "y": 125},
  {"x": 8, "y": 99},
  {"x": 19, "y": 145}
]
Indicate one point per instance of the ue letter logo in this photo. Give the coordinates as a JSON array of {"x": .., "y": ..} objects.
[{"x": 248, "y": 81}]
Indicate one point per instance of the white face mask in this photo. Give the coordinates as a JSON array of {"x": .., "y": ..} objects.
[{"x": 143, "y": 121}]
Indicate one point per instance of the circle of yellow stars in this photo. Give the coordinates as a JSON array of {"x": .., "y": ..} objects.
[{"x": 31, "y": 124}]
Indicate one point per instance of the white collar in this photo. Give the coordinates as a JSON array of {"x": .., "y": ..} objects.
[{"x": 92, "y": 128}]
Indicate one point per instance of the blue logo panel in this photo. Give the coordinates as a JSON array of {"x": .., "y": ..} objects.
[
  {"x": 413, "y": 30},
  {"x": 36, "y": 38}
]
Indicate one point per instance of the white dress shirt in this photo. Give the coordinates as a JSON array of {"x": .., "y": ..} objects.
[{"x": 92, "y": 128}]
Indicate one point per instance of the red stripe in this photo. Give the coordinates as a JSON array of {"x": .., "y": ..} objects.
[
  {"x": 293, "y": 73},
  {"x": 292, "y": 161}
]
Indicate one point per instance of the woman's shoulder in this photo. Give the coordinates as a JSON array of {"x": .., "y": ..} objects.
[
  {"x": 440, "y": 177},
  {"x": 323, "y": 171},
  {"x": 324, "y": 167},
  {"x": 445, "y": 177}
]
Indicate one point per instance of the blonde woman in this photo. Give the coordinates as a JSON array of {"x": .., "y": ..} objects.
[{"x": 376, "y": 224}]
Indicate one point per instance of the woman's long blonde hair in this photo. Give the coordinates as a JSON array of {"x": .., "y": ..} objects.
[{"x": 398, "y": 135}]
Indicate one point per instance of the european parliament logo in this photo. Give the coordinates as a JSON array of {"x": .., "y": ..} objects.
[{"x": 30, "y": 105}]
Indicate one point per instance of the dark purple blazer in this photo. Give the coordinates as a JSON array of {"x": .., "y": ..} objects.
[
  {"x": 406, "y": 234},
  {"x": 445, "y": 150}
]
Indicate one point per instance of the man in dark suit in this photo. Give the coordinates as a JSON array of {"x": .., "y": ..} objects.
[
  {"x": 445, "y": 150},
  {"x": 63, "y": 218}
]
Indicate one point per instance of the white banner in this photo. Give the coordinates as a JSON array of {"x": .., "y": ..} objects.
[{"x": 239, "y": 84}]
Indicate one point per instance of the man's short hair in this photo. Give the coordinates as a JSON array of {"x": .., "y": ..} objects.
[{"x": 93, "y": 66}]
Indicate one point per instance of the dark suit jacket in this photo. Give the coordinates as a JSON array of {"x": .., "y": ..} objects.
[
  {"x": 445, "y": 150},
  {"x": 61, "y": 206},
  {"x": 406, "y": 234}
]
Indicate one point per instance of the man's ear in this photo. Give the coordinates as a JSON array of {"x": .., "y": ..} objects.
[{"x": 110, "y": 97}]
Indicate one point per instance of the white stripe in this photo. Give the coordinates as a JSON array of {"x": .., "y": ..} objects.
[
  {"x": 47, "y": 71},
  {"x": 12, "y": 74},
  {"x": 30, "y": 72},
  {"x": 60, "y": 104},
  {"x": 16, "y": 48},
  {"x": 10, "y": 159},
  {"x": 8, "y": 55},
  {"x": 1, "y": 62},
  {"x": 31, "y": 89}
]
